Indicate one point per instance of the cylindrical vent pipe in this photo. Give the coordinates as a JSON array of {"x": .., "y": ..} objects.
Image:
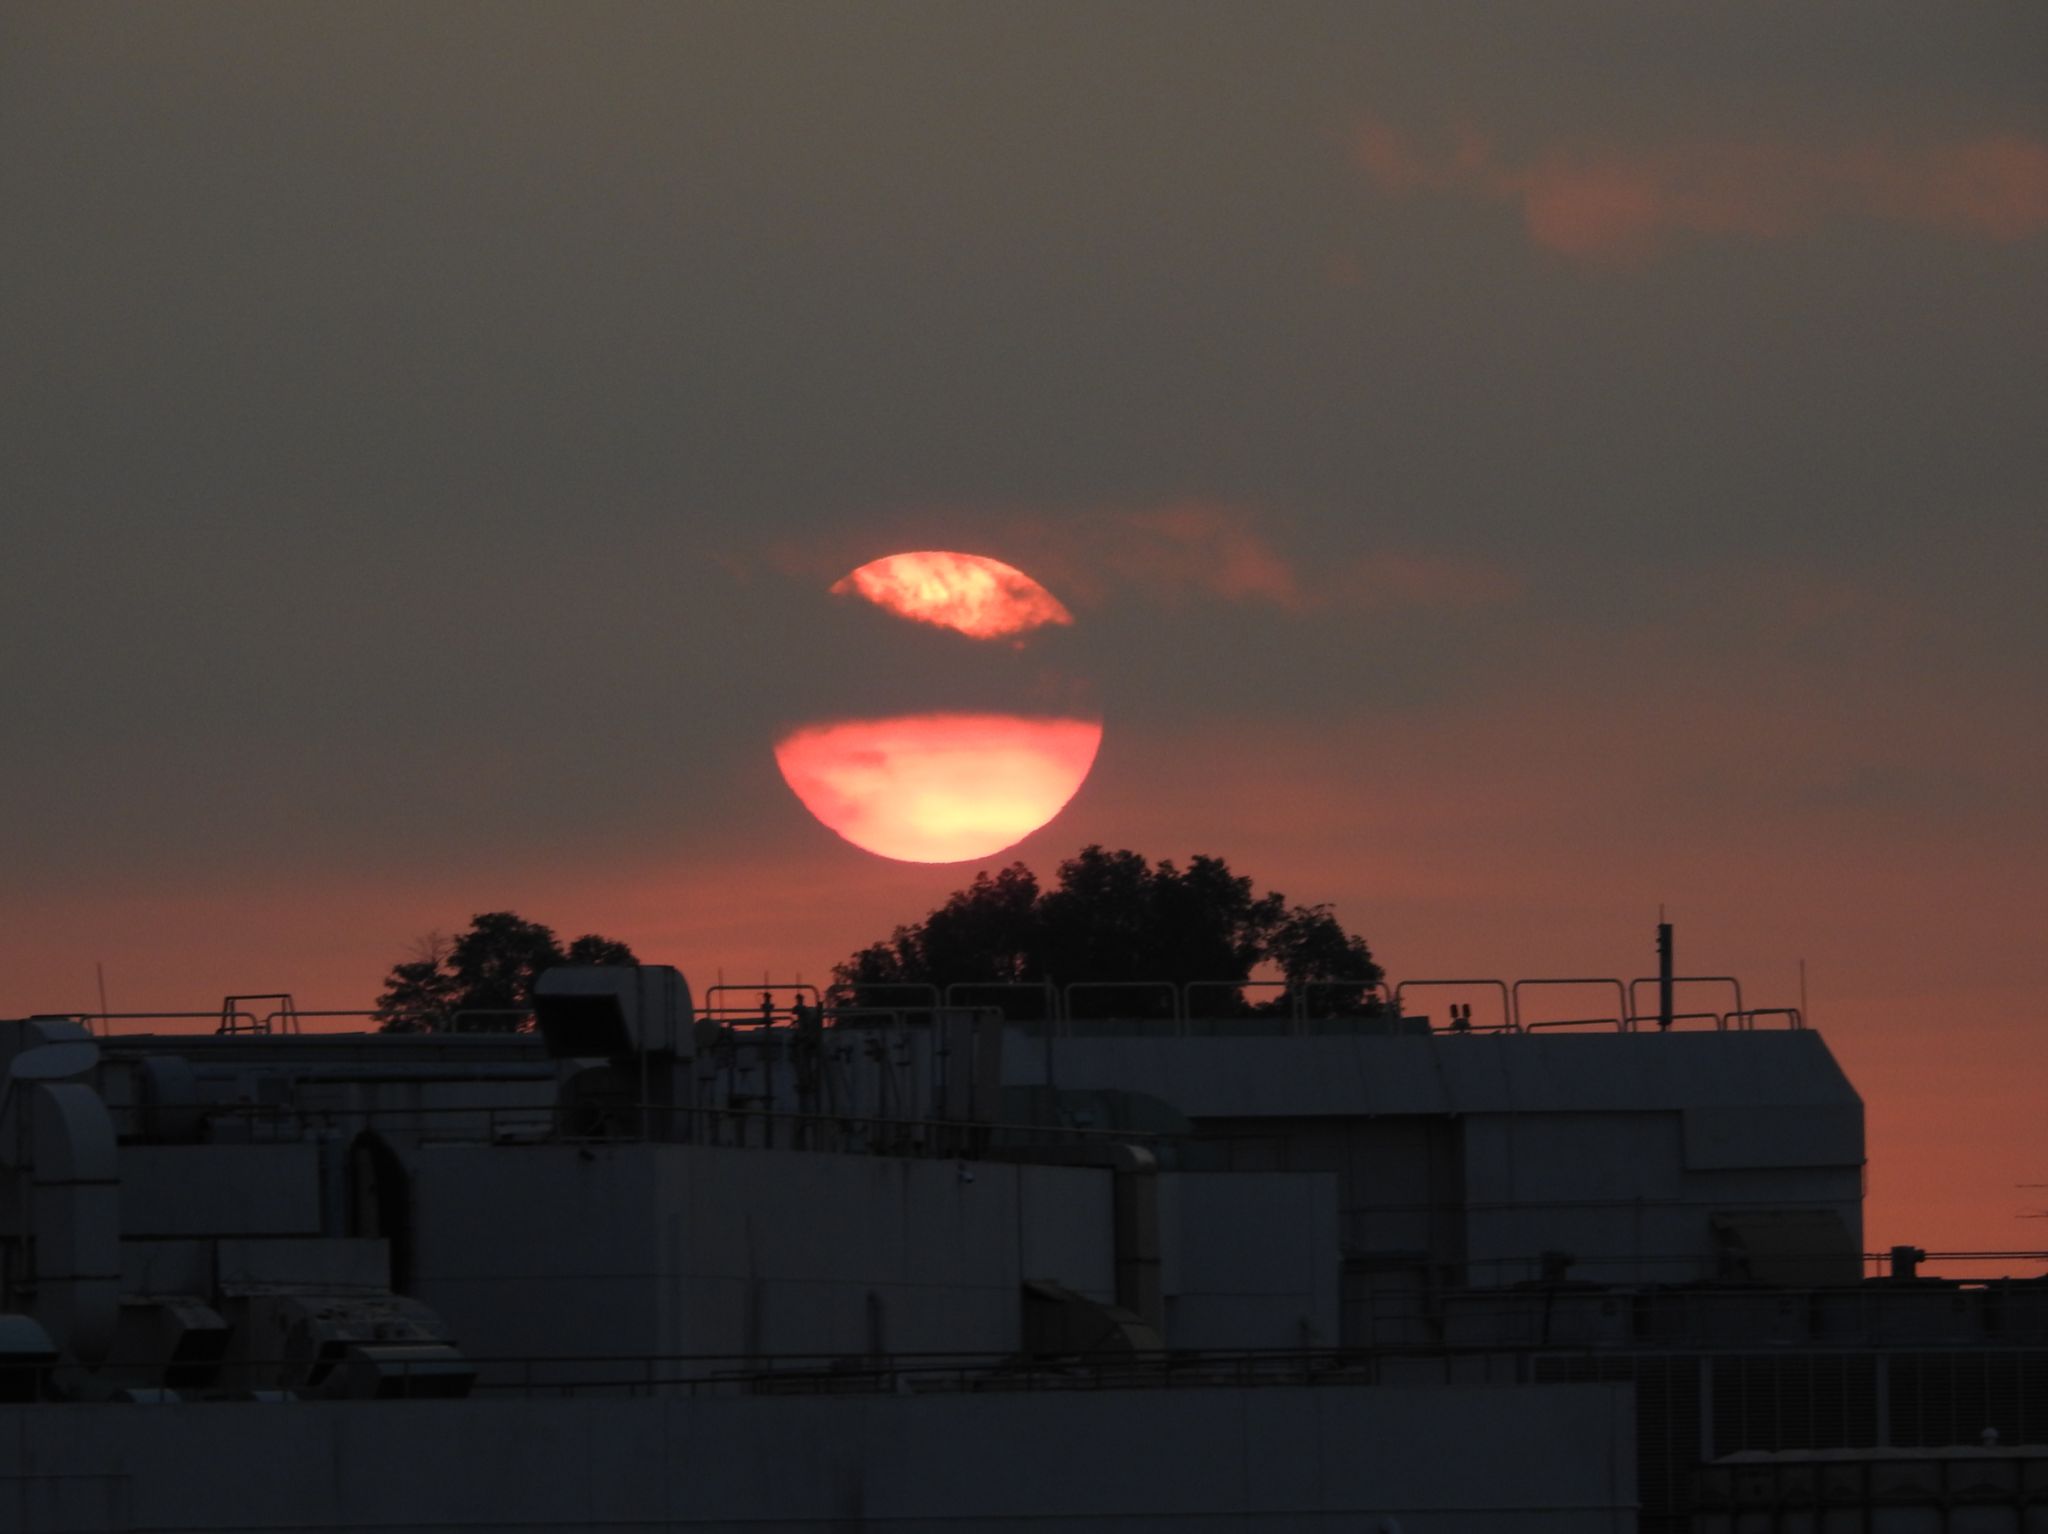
[
  {"x": 1664, "y": 973},
  {"x": 75, "y": 1212}
]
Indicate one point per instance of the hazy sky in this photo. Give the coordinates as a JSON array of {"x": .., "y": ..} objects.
[{"x": 1509, "y": 466}]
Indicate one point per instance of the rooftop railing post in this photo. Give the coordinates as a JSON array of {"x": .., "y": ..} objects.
[
  {"x": 1619, "y": 1020},
  {"x": 1155, "y": 987},
  {"x": 1664, "y": 973},
  {"x": 1659, "y": 980},
  {"x": 1507, "y": 1012}
]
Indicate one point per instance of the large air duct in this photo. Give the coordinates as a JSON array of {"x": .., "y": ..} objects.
[
  {"x": 638, "y": 1019},
  {"x": 56, "y": 1129},
  {"x": 614, "y": 1011}
]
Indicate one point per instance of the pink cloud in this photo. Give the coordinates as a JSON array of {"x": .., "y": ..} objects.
[
  {"x": 1207, "y": 548},
  {"x": 1409, "y": 579},
  {"x": 1218, "y": 550},
  {"x": 1996, "y": 186},
  {"x": 1619, "y": 206},
  {"x": 1166, "y": 553}
]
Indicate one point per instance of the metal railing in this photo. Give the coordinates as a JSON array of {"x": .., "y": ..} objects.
[
  {"x": 598, "y": 1122},
  {"x": 1507, "y": 1009},
  {"x": 715, "y": 1374},
  {"x": 1178, "y": 1008},
  {"x": 1618, "y": 1022},
  {"x": 1626, "y": 1017},
  {"x": 767, "y": 1006},
  {"x": 101, "y": 1023},
  {"x": 1746, "y": 1020},
  {"x": 1636, "y": 1015},
  {"x": 1953, "y": 1370},
  {"x": 283, "y": 1018},
  {"x": 289, "y": 1021}
]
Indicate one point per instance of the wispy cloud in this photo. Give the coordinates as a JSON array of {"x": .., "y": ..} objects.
[
  {"x": 1390, "y": 579},
  {"x": 1231, "y": 552},
  {"x": 1611, "y": 205},
  {"x": 1171, "y": 554},
  {"x": 1202, "y": 547}
]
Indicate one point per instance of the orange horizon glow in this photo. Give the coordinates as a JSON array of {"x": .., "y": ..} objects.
[
  {"x": 972, "y": 594},
  {"x": 938, "y": 788}
]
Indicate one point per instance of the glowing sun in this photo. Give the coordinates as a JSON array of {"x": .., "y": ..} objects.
[
  {"x": 944, "y": 787},
  {"x": 982, "y": 598}
]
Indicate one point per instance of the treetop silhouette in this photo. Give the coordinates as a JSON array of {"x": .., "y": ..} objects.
[
  {"x": 482, "y": 979},
  {"x": 1114, "y": 917}
]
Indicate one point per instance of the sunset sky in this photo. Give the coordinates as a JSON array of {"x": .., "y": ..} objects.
[{"x": 1507, "y": 468}]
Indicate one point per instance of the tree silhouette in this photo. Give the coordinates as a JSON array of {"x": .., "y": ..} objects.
[
  {"x": 487, "y": 971},
  {"x": 1115, "y": 917}
]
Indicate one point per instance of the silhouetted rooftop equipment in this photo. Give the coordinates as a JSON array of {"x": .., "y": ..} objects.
[
  {"x": 1663, "y": 974},
  {"x": 613, "y": 1011}
]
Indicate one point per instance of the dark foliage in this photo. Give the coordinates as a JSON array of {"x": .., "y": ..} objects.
[
  {"x": 1112, "y": 921},
  {"x": 483, "y": 978}
]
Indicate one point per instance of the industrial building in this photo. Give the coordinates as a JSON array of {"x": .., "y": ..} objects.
[{"x": 780, "y": 1261}]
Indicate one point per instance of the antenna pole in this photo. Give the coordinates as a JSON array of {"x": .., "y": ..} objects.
[{"x": 1664, "y": 972}]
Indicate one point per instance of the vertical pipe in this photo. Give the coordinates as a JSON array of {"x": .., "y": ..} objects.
[
  {"x": 1134, "y": 1187},
  {"x": 1664, "y": 975}
]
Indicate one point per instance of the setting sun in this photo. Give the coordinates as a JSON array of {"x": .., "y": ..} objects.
[
  {"x": 938, "y": 788},
  {"x": 982, "y": 598}
]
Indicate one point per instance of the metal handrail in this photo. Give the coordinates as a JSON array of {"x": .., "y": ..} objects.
[
  {"x": 658, "y": 1123},
  {"x": 854, "y": 989},
  {"x": 299, "y": 1013},
  {"x": 1377, "y": 989},
  {"x": 1193, "y": 987},
  {"x": 231, "y": 1013},
  {"x": 1058, "y": 1004},
  {"x": 914, "y": 1371},
  {"x": 1620, "y": 1018},
  {"x": 1749, "y": 1016},
  {"x": 1719, "y": 1019},
  {"x": 455, "y": 1018},
  {"x": 765, "y": 989},
  {"x": 1175, "y": 1001},
  {"x": 1044, "y": 988},
  {"x": 1507, "y": 1011},
  {"x": 693, "y": 1374},
  {"x": 447, "y": 1022},
  {"x": 88, "y": 1019},
  {"x": 1727, "y": 980}
]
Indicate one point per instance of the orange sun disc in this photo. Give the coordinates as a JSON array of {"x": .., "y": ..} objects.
[
  {"x": 938, "y": 788},
  {"x": 980, "y": 597}
]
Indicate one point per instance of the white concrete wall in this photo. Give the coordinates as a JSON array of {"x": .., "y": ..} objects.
[
  {"x": 1249, "y": 1259},
  {"x": 1620, "y": 1148},
  {"x": 1632, "y": 1196},
  {"x": 220, "y": 1190},
  {"x": 1336, "y": 1075},
  {"x": 538, "y": 1250},
  {"x": 638, "y": 1250},
  {"x": 1277, "y": 1460}
]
